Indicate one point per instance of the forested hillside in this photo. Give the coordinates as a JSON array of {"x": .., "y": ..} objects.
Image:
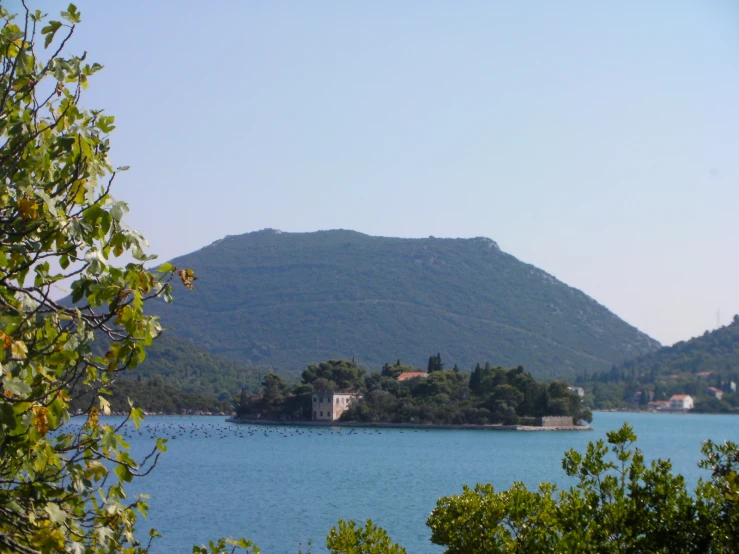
[
  {"x": 285, "y": 300},
  {"x": 182, "y": 364},
  {"x": 716, "y": 351},
  {"x": 178, "y": 376},
  {"x": 690, "y": 367}
]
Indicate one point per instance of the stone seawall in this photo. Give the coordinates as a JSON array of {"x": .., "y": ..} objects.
[{"x": 379, "y": 425}]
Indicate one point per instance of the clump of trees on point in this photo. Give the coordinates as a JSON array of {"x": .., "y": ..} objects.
[{"x": 487, "y": 395}]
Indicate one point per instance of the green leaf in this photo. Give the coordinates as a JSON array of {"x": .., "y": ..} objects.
[
  {"x": 7, "y": 415},
  {"x": 56, "y": 514},
  {"x": 50, "y": 30},
  {"x": 17, "y": 386}
]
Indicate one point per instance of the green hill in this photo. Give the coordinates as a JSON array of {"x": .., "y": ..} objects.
[
  {"x": 284, "y": 300},
  {"x": 687, "y": 367},
  {"x": 177, "y": 375},
  {"x": 715, "y": 351},
  {"x": 181, "y": 364}
]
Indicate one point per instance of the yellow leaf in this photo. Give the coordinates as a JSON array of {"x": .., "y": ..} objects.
[
  {"x": 187, "y": 276},
  {"x": 104, "y": 405},
  {"x": 79, "y": 190},
  {"x": 39, "y": 419},
  {"x": 19, "y": 350},
  {"x": 49, "y": 539},
  {"x": 95, "y": 470},
  {"x": 28, "y": 208},
  {"x": 93, "y": 418}
]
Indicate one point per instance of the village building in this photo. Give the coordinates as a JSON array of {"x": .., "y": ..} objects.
[
  {"x": 713, "y": 391},
  {"x": 328, "y": 406},
  {"x": 408, "y": 375},
  {"x": 681, "y": 402},
  {"x": 579, "y": 391},
  {"x": 555, "y": 421},
  {"x": 659, "y": 405}
]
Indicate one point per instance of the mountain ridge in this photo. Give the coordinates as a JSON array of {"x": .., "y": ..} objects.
[{"x": 297, "y": 298}]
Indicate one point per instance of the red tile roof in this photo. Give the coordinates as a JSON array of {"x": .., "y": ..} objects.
[{"x": 411, "y": 375}]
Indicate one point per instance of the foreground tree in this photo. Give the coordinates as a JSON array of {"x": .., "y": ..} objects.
[
  {"x": 619, "y": 504},
  {"x": 62, "y": 487}
]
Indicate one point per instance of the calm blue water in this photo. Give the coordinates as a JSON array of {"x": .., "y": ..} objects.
[{"x": 280, "y": 486}]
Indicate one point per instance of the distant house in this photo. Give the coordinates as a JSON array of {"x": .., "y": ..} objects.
[
  {"x": 681, "y": 402},
  {"x": 579, "y": 391},
  {"x": 408, "y": 375},
  {"x": 713, "y": 391},
  {"x": 704, "y": 374},
  {"x": 328, "y": 406},
  {"x": 639, "y": 396},
  {"x": 659, "y": 405},
  {"x": 729, "y": 386}
]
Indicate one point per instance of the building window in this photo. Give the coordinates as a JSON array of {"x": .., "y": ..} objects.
[
  {"x": 315, "y": 399},
  {"x": 328, "y": 414},
  {"x": 321, "y": 414},
  {"x": 337, "y": 400}
]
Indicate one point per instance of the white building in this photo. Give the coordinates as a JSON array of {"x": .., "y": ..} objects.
[
  {"x": 579, "y": 391},
  {"x": 328, "y": 406},
  {"x": 681, "y": 402}
]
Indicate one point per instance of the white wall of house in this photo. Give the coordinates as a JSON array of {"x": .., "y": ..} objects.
[
  {"x": 681, "y": 402},
  {"x": 330, "y": 406}
]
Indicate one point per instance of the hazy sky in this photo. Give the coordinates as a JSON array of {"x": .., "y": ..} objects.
[{"x": 596, "y": 140}]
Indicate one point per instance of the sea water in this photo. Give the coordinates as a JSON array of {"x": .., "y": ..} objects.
[{"x": 281, "y": 486}]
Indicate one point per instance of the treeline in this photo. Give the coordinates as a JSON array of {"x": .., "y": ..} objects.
[{"x": 486, "y": 395}]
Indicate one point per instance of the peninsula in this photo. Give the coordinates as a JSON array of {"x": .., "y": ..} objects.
[{"x": 338, "y": 392}]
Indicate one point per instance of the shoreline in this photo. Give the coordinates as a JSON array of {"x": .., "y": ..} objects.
[{"x": 383, "y": 425}]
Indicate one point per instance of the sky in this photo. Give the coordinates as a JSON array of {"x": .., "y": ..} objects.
[{"x": 598, "y": 141}]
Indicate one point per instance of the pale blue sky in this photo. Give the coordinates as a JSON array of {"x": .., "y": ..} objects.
[{"x": 596, "y": 140}]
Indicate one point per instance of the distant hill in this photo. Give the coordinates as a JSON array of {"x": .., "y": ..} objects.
[
  {"x": 715, "y": 351},
  {"x": 190, "y": 369},
  {"x": 284, "y": 300},
  {"x": 688, "y": 367},
  {"x": 177, "y": 375}
]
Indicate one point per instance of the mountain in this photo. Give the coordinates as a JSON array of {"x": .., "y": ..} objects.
[{"x": 284, "y": 300}]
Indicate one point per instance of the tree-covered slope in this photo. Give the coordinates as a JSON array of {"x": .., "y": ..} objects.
[
  {"x": 181, "y": 364},
  {"x": 715, "y": 351},
  {"x": 177, "y": 375},
  {"x": 687, "y": 367},
  {"x": 285, "y": 300}
]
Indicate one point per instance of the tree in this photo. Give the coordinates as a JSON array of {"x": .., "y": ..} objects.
[
  {"x": 350, "y": 538},
  {"x": 62, "y": 489},
  {"x": 619, "y": 504},
  {"x": 435, "y": 363},
  {"x": 345, "y": 374}
]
